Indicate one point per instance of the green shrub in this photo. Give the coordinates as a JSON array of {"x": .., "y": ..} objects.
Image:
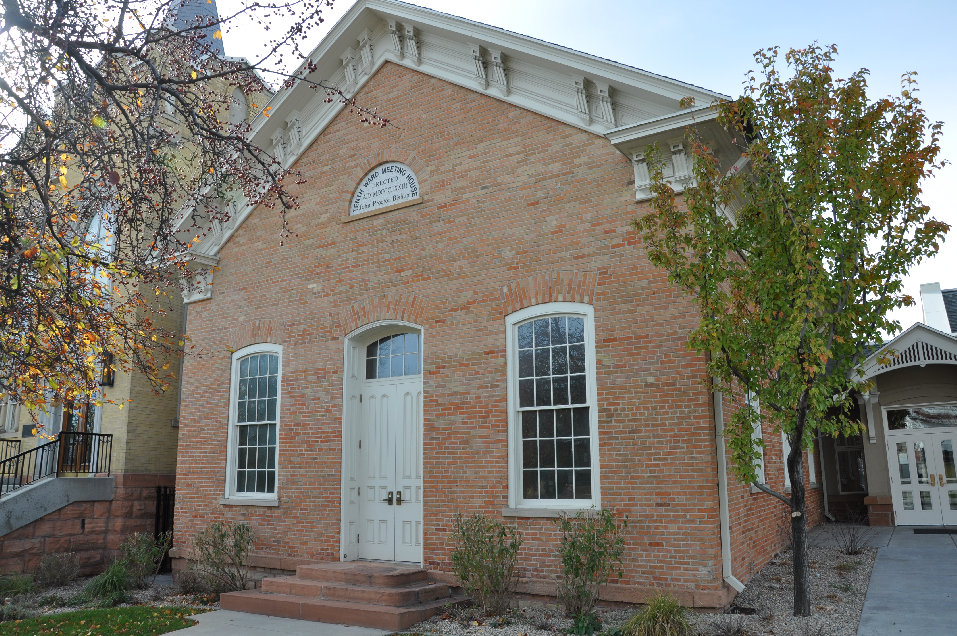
[
  {"x": 662, "y": 616},
  {"x": 109, "y": 588},
  {"x": 590, "y": 549},
  {"x": 143, "y": 556},
  {"x": 15, "y": 612},
  {"x": 222, "y": 548},
  {"x": 56, "y": 569},
  {"x": 484, "y": 560},
  {"x": 15, "y": 585}
]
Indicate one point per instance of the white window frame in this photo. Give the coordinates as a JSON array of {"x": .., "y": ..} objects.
[
  {"x": 230, "y": 495},
  {"x": 10, "y": 417},
  {"x": 515, "y": 499},
  {"x": 811, "y": 466},
  {"x": 757, "y": 434}
]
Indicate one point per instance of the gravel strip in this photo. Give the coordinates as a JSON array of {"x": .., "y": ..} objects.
[{"x": 838, "y": 586}]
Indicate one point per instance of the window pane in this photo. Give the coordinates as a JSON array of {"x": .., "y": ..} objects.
[
  {"x": 563, "y": 422},
  {"x": 583, "y": 484},
  {"x": 529, "y": 454},
  {"x": 543, "y": 392},
  {"x": 546, "y": 424},
  {"x": 525, "y": 336},
  {"x": 582, "y": 452},
  {"x": 273, "y": 365},
  {"x": 576, "y": 389},
  {"x": 576, "y": 358},
  {"x": 411, "y": 342},
  {"x": 547, "y": 484},
  {"x": 272, "y": 435},
  {"x": 241, "y": 412},
  {"x": 243, "y": 435},
  {"x": 370, "y": 369},
  {"x": 398, "y": 344},
  {"x": 271, "y": 481},
  {"x": 412, "y": 364},
  {"x": 243, "y": 386},
  {"x": 263, "y": 387},
  {"x": 576, "y": 330},
  {"x": 241, "y": 458},
  {"x": 526, "y": 367},
  {"x": 244, "y": 368},
  {"x": 560, "y": 360},
  {"x": 526, "y": 393},
  {"x": 542, "y": 362},
  {"x": 558, "y": 331},
  {"x": 397, "y": 365},
  {"x": 581, "y": 422},
  {"x": 253, "y": 389},
  {"x": 529, "y": 425},
  {"x": 241, "y": 481},
  {"x": 383, "y": 370},
  {"x": 541, "y": 333},
  {"x": 272, "y": 386},
  {"x": 261, "y": 410},
  {"x": 563, "y": 453},
  {"x": 385, "y": 347},
  {"x": 530, "y": 484},
  {"x": 372, "y": 351},
  {"x": 271, "y": 410},
  {"x": 546, "y": 453},
  {"x": 560, "y": 390},
  {"x": 565, "y": 485}
]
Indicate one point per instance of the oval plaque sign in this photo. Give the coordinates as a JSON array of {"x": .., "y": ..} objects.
[{"x": 388, "y": 185}]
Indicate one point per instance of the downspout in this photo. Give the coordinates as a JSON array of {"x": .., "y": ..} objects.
[
  {"x": 723, "y": 493},
  {"x": 827, "y": 510}
]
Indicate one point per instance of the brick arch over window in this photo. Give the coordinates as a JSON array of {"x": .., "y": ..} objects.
[
  {"x": 352, "y": 179},
  {"x": 257, "y": 332},
  {"x": 403, "y": 308},
  {"x": 553, "y": 287}
]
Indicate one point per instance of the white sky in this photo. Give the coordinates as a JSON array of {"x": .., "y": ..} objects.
[{"x": 710, "y": 44}]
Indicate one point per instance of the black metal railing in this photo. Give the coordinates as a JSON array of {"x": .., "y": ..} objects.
[
  {"x": 85, "y": 452},
  {"x": 9, "y": 448},
  {"x": 77, "y": 453}
]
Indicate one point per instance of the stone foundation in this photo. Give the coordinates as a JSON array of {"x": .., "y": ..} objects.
[{"x": 92, "y": 529}]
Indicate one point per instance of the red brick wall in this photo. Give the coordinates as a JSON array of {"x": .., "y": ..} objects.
[
  {"x": 510, "y": 198},
  {"x": 92, "y": 529}
]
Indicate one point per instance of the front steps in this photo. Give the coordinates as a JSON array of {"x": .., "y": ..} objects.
[{"x": 381, "y": 595}]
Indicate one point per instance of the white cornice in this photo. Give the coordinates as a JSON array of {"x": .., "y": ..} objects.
[
  {"x": 581, "y": 90},
  {"x": 919, "y": 345}
]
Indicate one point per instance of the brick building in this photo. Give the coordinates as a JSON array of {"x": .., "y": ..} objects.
[{"x": 464, "y": 321}]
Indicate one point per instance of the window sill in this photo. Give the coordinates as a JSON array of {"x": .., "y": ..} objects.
[
  {"x": 543, "y": 513},
  {"x": 251, "y": 501}
]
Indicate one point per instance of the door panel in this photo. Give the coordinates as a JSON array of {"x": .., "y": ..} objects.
[
  {"x": 391, "y": 456},
  {"x": 947, "y": 477}
]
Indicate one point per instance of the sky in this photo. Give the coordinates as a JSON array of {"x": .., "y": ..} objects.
[{"x": 711, "y": 44}]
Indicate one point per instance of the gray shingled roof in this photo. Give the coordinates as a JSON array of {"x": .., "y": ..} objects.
[
  {"x": 950, "y": 304},
  {"x": 191, "y": 13}
]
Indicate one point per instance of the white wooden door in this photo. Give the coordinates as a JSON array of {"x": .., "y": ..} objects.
[
  {"x": 923, "y": 477},
  {"x": 390, "y": 452}
]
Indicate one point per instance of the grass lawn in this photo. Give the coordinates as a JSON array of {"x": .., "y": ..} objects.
[{"x": 140, "y": 620}]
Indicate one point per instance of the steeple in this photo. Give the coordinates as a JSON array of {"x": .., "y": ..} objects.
[{"x": 184, "y": 14}]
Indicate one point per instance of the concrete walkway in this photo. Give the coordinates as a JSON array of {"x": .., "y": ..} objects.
[
  {"x": 913, "y": 588},
  {"x": 224, "y": 622}
]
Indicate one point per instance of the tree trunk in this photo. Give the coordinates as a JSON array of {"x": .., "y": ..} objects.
[{"x": 802, "y": 595}]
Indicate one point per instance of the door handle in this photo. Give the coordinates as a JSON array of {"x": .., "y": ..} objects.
[
  {"x": 931, "y": 483},
  {"x": 389, "y": 498},
  {"x": 398, "y": 497},
  {"x": 941, "y": 480}
]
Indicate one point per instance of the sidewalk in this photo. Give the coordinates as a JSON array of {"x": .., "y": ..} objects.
[
  {"x": 913, "y": 588},
  {"x": 225, "y": 622}
]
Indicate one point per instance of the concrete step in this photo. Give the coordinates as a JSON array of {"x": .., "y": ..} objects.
[
  {"x": 331, "y": 611},
  {"x": 361, "y": 573},
  {"x": 395, "y": 596}
]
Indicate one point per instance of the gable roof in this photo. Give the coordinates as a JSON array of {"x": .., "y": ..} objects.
[
  {"x": 581, "y": 90},
  {"x": 919, "y": 345},
  {"x": 950, "y": 305}
]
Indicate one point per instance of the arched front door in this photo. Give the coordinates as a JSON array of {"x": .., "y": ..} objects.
[{"x": 382, "y": 441}]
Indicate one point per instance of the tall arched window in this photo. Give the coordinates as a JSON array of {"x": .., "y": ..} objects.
[{"x": 254, "y": 422}]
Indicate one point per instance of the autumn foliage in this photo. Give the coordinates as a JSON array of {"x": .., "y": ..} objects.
[{"x": 796, "y": 261}]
